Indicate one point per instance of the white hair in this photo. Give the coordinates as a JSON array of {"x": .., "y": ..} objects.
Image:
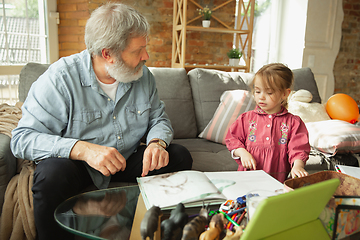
[{"x": 111, "y": 26}]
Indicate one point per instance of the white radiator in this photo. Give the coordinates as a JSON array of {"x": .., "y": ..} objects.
[{"x": 9, "y": 89}]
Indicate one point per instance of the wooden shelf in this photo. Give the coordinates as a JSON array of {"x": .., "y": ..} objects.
[
  {"x": 243, "y": 32},
  {"x": 213, "y": 66},
  {"x": 217, "y": 30}
]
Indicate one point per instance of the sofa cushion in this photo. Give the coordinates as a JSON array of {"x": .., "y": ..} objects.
[
  {"x": 334, "y": 136},
  {"x": 304, "y": 79},
  {"x": 29, "y": 74},
  {"x": 232, "y": 104},
  {"x": 208, "y": 156},
  {"x": 207, "y": 86},
  {"x": 174, "y": 90}
]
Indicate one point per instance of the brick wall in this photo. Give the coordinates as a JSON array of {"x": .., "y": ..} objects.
[
  {"x": 73, "y": 16},
  {"x": 347, "y": 64},
  {"x": 205, "y": 47},
  {"x": 201, "y": 47}
]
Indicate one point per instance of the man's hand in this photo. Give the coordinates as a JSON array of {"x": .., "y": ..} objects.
[
  {"x": 106, "y": 160},
  {"x": 155, "y": 157}
]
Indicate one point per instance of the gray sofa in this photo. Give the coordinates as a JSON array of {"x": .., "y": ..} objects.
[{"x": 191, "y": 100}]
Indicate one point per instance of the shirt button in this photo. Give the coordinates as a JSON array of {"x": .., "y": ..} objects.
[
  {"x": 267, "y": 138},
  {"x": 268, "y": 125},
  {"x": 114, "y": 117},
  {"x": 269, "y": 116}
]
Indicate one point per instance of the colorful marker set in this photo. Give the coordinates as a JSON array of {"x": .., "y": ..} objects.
[
  {"x": 234, "y": 217},
  {"x": 234, "y": 211}
]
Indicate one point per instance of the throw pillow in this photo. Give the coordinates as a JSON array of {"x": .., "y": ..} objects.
[
  {"x": 334, "y": 136},
  {"x": 232, "y": 104},
  {"x": 299, "y": 104}
]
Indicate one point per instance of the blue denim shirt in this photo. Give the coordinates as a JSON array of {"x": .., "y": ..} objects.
[{"x": 66, "y": 104}]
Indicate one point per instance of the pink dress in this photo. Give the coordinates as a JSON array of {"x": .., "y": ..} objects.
[{"x": 274, "y": 140}]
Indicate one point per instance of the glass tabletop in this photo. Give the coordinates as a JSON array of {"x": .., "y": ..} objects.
[{"x": 101, "y": 214}]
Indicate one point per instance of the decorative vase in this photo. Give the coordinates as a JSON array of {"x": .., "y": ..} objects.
[
  {"x": 234, "y": 61},
  {"x": 206, "y": 23}
]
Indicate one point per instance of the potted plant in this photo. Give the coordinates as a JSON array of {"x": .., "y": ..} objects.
[
  {"x": 206, "y": 12},
  {"x": 234, "y": 55}
]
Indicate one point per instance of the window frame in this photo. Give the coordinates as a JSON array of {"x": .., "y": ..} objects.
[{"x": 51, "y": 20}]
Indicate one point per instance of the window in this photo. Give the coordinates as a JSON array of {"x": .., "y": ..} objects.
[
  {"x": 28, "y": 33},
  {"x": 279, "y": 33}
]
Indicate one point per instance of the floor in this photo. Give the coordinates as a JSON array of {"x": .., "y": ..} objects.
[{"x": 353, "y": 237}]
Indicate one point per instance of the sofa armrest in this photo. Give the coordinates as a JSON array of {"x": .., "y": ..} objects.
[{"x": 7, "y": 165}]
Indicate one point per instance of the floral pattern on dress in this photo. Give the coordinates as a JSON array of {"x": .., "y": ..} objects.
[
  {"x": 284, "y": 136},
  {"x": 252, "y": 128}
]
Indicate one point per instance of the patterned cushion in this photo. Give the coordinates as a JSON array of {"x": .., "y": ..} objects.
[
  {"x": 232, "y": 104},
  {"x": 207, "y": 85},
  {"x": 334, "y": 136}
]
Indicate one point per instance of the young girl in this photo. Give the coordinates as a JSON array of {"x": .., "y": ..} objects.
[{"x": 270, "y": 138}]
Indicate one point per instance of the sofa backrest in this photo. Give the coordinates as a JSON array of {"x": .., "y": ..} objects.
[
  {"x": 190, "y": 99},
  {"x": 174, "y": 90},
  {"x": 29, "y": 74},
  {"x": 208, "y": 85}
]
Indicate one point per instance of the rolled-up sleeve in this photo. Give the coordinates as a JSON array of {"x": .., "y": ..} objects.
[
  {"x": 298, "y": 146},
  {"x": 236, "y": 137}
]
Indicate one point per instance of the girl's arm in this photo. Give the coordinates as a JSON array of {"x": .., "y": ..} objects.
[
  {"x": 298, "y": 147},
  {"x": 236, "y": 137},
  {"x": 247, "y": 160},
  {"x": 298, "y": 169}
]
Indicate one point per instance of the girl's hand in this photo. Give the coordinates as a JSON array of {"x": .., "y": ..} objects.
[
  {"x": 247, "y": 160},
  {"x": 298, "y": 169}
]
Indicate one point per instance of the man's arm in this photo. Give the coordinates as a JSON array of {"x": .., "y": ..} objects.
[
  {"x": 156, "y": 156},
  {"x": 38, "y": 134},
  {"x": 106, "y": 160}
]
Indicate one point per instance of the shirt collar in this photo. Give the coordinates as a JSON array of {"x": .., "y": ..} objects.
[
  {"x": 90, "y": 78},
  {"x": 282, "y": 111}
]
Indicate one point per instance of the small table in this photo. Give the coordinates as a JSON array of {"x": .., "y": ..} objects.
[{"x": 100, "y": 214}]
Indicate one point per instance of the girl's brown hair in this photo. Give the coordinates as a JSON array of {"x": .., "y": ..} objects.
[{"x": 277, "y": 77}]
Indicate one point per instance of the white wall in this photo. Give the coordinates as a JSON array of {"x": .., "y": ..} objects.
[{"x": 322, "y": 42}]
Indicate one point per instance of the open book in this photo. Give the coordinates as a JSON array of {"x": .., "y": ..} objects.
[
  {"x": 349, "y": 170},
  {"x": 193, "y": 187}
]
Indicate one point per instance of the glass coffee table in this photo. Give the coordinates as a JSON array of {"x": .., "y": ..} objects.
[{"x": 103, "y": 214}]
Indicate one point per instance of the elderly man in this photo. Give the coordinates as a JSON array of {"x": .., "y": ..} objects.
[{"x": 84, "y": 117}]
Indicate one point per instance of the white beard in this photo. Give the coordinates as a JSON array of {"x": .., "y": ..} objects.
[{"x": 121, "y": 72}]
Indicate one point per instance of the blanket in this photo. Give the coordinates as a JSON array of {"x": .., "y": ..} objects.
[
  {"x": 17, "y": 218},
  {"x": 9, "y": 117}
]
